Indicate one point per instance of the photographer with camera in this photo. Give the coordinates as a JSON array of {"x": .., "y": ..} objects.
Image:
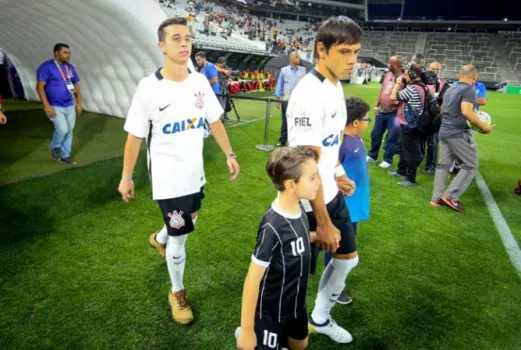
[
  {"x": 223, "y": 74},
  {"x": 410, "y": 137},
  {"x": 429, "y": 144}
]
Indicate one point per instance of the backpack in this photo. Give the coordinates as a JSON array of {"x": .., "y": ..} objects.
[{"x": 429, "y": 121}]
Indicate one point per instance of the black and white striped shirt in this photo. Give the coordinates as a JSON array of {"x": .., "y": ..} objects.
[
  {"x": 412, "y": 98},
  {"x": 283, "y": 248}
]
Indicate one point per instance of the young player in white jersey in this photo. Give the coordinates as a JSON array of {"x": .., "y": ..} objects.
[
  {"x": 170, "y": 108},
  {"x": 316, "y": 118},
  {"x": 274, "y": 295}
]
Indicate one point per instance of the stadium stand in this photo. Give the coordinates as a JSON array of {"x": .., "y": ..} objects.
[{"x": 498, "y": 56}]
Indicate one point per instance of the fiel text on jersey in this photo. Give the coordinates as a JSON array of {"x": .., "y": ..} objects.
[
  {"x": 333, "y": 139},
  {"x": 184, "y": 125}
]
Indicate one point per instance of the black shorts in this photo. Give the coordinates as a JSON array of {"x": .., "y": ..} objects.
[
  {"x": 177, "y": 212},
  {"x": 339, "y": 215},
  {"x": 271, "y": 333}
]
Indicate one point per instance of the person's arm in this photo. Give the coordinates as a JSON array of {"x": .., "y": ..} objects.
[
  {"x": 212, "y": 75},
  {"x": 280, "y": 86},
  {"x": 260, "y": 261},
  {"x": 75, "y": 79},
  {"x": 250, "y": 295},
  {"x": 214, "y": 111},
  {"x": 406, "y": 94},
  {"x": 42, "y": 76},
  {"x": 3, "y": 118},
  {"x": 396, "y": 88},
  {"x": 481, "y": 98},
  {"x": 467, "y": 109},
  {"x": 225, "y": 71},
  {"x": 137, "y": 126},
  {"x": 344, "y": 183}
]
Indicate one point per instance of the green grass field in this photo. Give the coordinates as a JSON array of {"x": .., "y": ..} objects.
[{"x": 77, "y": 271}]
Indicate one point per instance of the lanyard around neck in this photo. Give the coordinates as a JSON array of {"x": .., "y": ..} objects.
[{"x": 61, "y": 71}]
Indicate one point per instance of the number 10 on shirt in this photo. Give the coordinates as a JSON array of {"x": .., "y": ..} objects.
[{"x": 297, "y": 246}]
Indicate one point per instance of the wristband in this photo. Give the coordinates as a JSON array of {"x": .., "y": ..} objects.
[
  {"x": 339, "y": 171},
  {"x": 127, "y": 178}
]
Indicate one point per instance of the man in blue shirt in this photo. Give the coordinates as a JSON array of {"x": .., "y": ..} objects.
[
  {"x": 209, "y": 70},
  {"x": 59, "y": 90},
  {"x": 288, "y": 78}
]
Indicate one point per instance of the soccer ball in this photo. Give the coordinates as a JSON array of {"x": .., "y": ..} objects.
[{"x": 485, "y": 119}]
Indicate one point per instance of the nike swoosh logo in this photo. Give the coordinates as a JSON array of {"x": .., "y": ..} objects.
[
  {"x": 177, "y": 257},
  {"x": 356, "y": 150},
  {"x": 334, "y": 114},
  {"x": 162, "y": 109},
  {"x": 335, "y": 295}
]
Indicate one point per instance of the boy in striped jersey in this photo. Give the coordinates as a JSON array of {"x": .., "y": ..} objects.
[{"x": 274, "y": 296}]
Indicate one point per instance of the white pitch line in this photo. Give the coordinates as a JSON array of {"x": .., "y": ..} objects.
[{"x": 511, "y": 246}]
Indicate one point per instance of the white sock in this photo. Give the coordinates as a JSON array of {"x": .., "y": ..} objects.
[
  {"x": 175, "y": 260},
  {"x": 332, "y": 283},
  {"x": 162, "y": 236}
]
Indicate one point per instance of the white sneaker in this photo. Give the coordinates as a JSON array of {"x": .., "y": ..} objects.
[
  {"x": 384, "y": 165},
  {"x": 332, "y": 330},
  {"x": 370, "y": 160}
]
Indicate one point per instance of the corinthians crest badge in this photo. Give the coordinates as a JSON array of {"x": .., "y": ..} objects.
[
  {"x": 199, "y": 99},
  {"x": 176, "y": 219}
]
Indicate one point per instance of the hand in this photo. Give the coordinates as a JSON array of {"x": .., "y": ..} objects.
[
  {"x": 126, "y": 189},
  {"x": 376, "y": 111},
  {"x": 345, "y": 185},
  {"x": 247, "y": 340},
  {"x": 487, "y": 129},
  {"x": 234, "y": 167},
  {"x": 327, "y": 237},
  {"x": 79, "y": 109},
  {"x": 278, "y": 105},
  {"x": 49, "y": 111},
  {"x": 228, "y": 72},
  {"x": 3, "y": 118}
]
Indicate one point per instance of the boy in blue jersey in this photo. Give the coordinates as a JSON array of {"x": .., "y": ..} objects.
[
  {"x": 352, "y": 156},
  {"x": 481, "y": 95}
]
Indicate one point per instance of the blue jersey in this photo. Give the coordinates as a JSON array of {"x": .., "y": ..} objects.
[
  {"x": 481, "y": 91},
  {"x": 352, "y": 156}
]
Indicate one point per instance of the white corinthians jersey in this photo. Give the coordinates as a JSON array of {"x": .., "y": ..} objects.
[
  {"x": 317, "y": 116},
  {"x": 172, "y": 116}
]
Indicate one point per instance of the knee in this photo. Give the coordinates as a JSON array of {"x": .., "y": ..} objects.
[
  {"x": 301, "y": 345},
  {"x": 298, "y": 344},
  {"x": 353, "y": 261},
  {"x": 61, "y": 129}
]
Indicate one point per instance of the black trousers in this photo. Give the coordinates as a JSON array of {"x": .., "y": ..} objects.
[
  {"x": 410, "y": 152},
  {"x": 284, "y": 127}
]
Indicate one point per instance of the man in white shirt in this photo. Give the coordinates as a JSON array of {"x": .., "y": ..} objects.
[
  {"x": 317, "y": 117},
  {"x": 170, "y": 108}
]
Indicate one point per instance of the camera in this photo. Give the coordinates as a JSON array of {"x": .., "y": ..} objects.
[{"x": 429, "y": 78}]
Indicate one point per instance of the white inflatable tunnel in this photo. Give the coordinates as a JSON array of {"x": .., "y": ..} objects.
[{"x": 113, "y": 44}]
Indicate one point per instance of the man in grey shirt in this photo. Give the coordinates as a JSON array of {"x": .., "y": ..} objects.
[{"x": 457, "y": 140}]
